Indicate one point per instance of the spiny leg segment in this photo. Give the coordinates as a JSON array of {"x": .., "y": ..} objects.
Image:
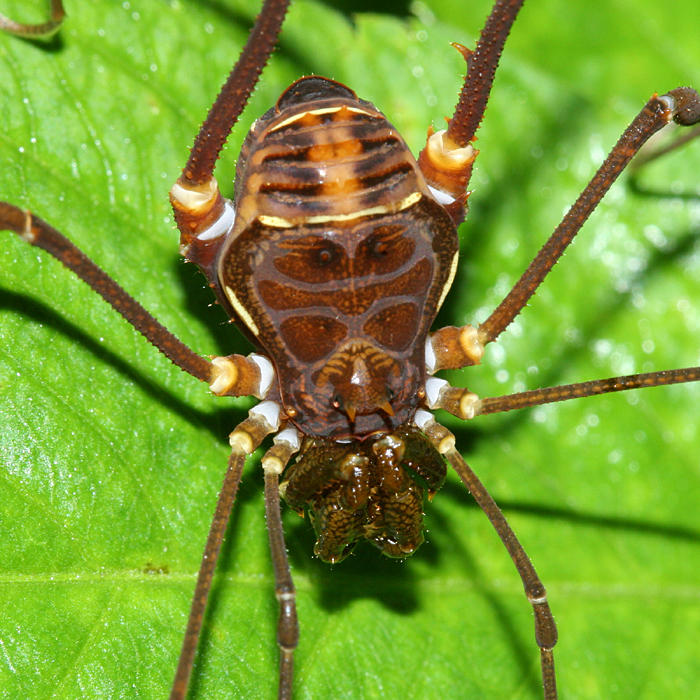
[
  {"x": 234, "y": 375},
  {"x": 680, "y": 105},
  {"x": 454, "y": 348},
  {"x": 448, "y": 156},
  {"x": 197, "y": 202},
  {"x": 537, "y": 397},
  {"x": 446, "y": 163}
]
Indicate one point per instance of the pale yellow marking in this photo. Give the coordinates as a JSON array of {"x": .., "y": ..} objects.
[
  {"x": 275, "y": 221},
  {"x": 241, "y": 311},
  {"x": 242, "y": 440},
  {"x": 446, "y": 155},
  {"x": 357, "y": 110},
  {"x": 450, "y": 280},
  {"x": 469, "y": 405},
  {"x": 471, "y": 344},
  {"x": 446, "y": 444},
  {"x": 301, "y": 115},
  {"x": 382, "y": 209},
  {"x": 225, "y": 375},
  {"x": 317, "y": 112},
  {"x": 195, "y": 200},
  {"x": 279, "y": 222},
  {"x": 272, "y": 464},
  {"x": 27, "y": 234}
]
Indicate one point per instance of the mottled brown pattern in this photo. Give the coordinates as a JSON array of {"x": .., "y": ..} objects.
[
  {"x": 313, "y": 260},
  {"x": 309, "y": 338},
  {"x": 353, "y": 366},
  {"x": 327, "y": 257},
  {"x": 394, "y": 327}
]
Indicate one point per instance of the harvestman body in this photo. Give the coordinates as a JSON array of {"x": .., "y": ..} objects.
[{"x": 334, "y": 257}]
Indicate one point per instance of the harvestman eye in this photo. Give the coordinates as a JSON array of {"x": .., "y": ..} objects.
[
  {"x": 344, "y": 368},
  {"x": 379, "y": 248},
  {"x": 325, "y": 256}
]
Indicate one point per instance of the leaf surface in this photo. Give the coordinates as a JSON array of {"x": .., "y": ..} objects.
[{"x": 111, "y": 458}]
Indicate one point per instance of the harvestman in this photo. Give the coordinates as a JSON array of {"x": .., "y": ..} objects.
[{"x": 359, "y": 412}]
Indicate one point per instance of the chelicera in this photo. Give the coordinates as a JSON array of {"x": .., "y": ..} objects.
[{"x": 358, "y": 395}]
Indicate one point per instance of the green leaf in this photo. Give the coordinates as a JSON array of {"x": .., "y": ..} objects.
[{"x": 112, "y": 458}]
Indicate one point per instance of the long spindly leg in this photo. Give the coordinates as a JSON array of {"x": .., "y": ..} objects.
[
  {"x": 537, "y": 397},
  {"x": 481, "y": 70},
  {"x": 195, "y": 196},
  {"x": 37, "y": 232},
  {"x": 44, "y": 30},
  {"x": 450, "y": 347},
  {"x": 545, "y": 628},
  {"x": 227, "y": 376},
  {"x": 681, "y": 105},
  {"x": 224, "y": 504},
  {"x": 263, "y": 419},
  {"x": 466, "y": 405},
  {"x": 275, "y": 460}
]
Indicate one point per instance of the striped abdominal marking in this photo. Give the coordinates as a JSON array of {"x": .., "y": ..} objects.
[
  {"x": 308, "y": 115},
  {"x": 279, "y": 222}
]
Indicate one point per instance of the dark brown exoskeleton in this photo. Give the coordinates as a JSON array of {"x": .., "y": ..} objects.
[{"x": 334, "y": 257}]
